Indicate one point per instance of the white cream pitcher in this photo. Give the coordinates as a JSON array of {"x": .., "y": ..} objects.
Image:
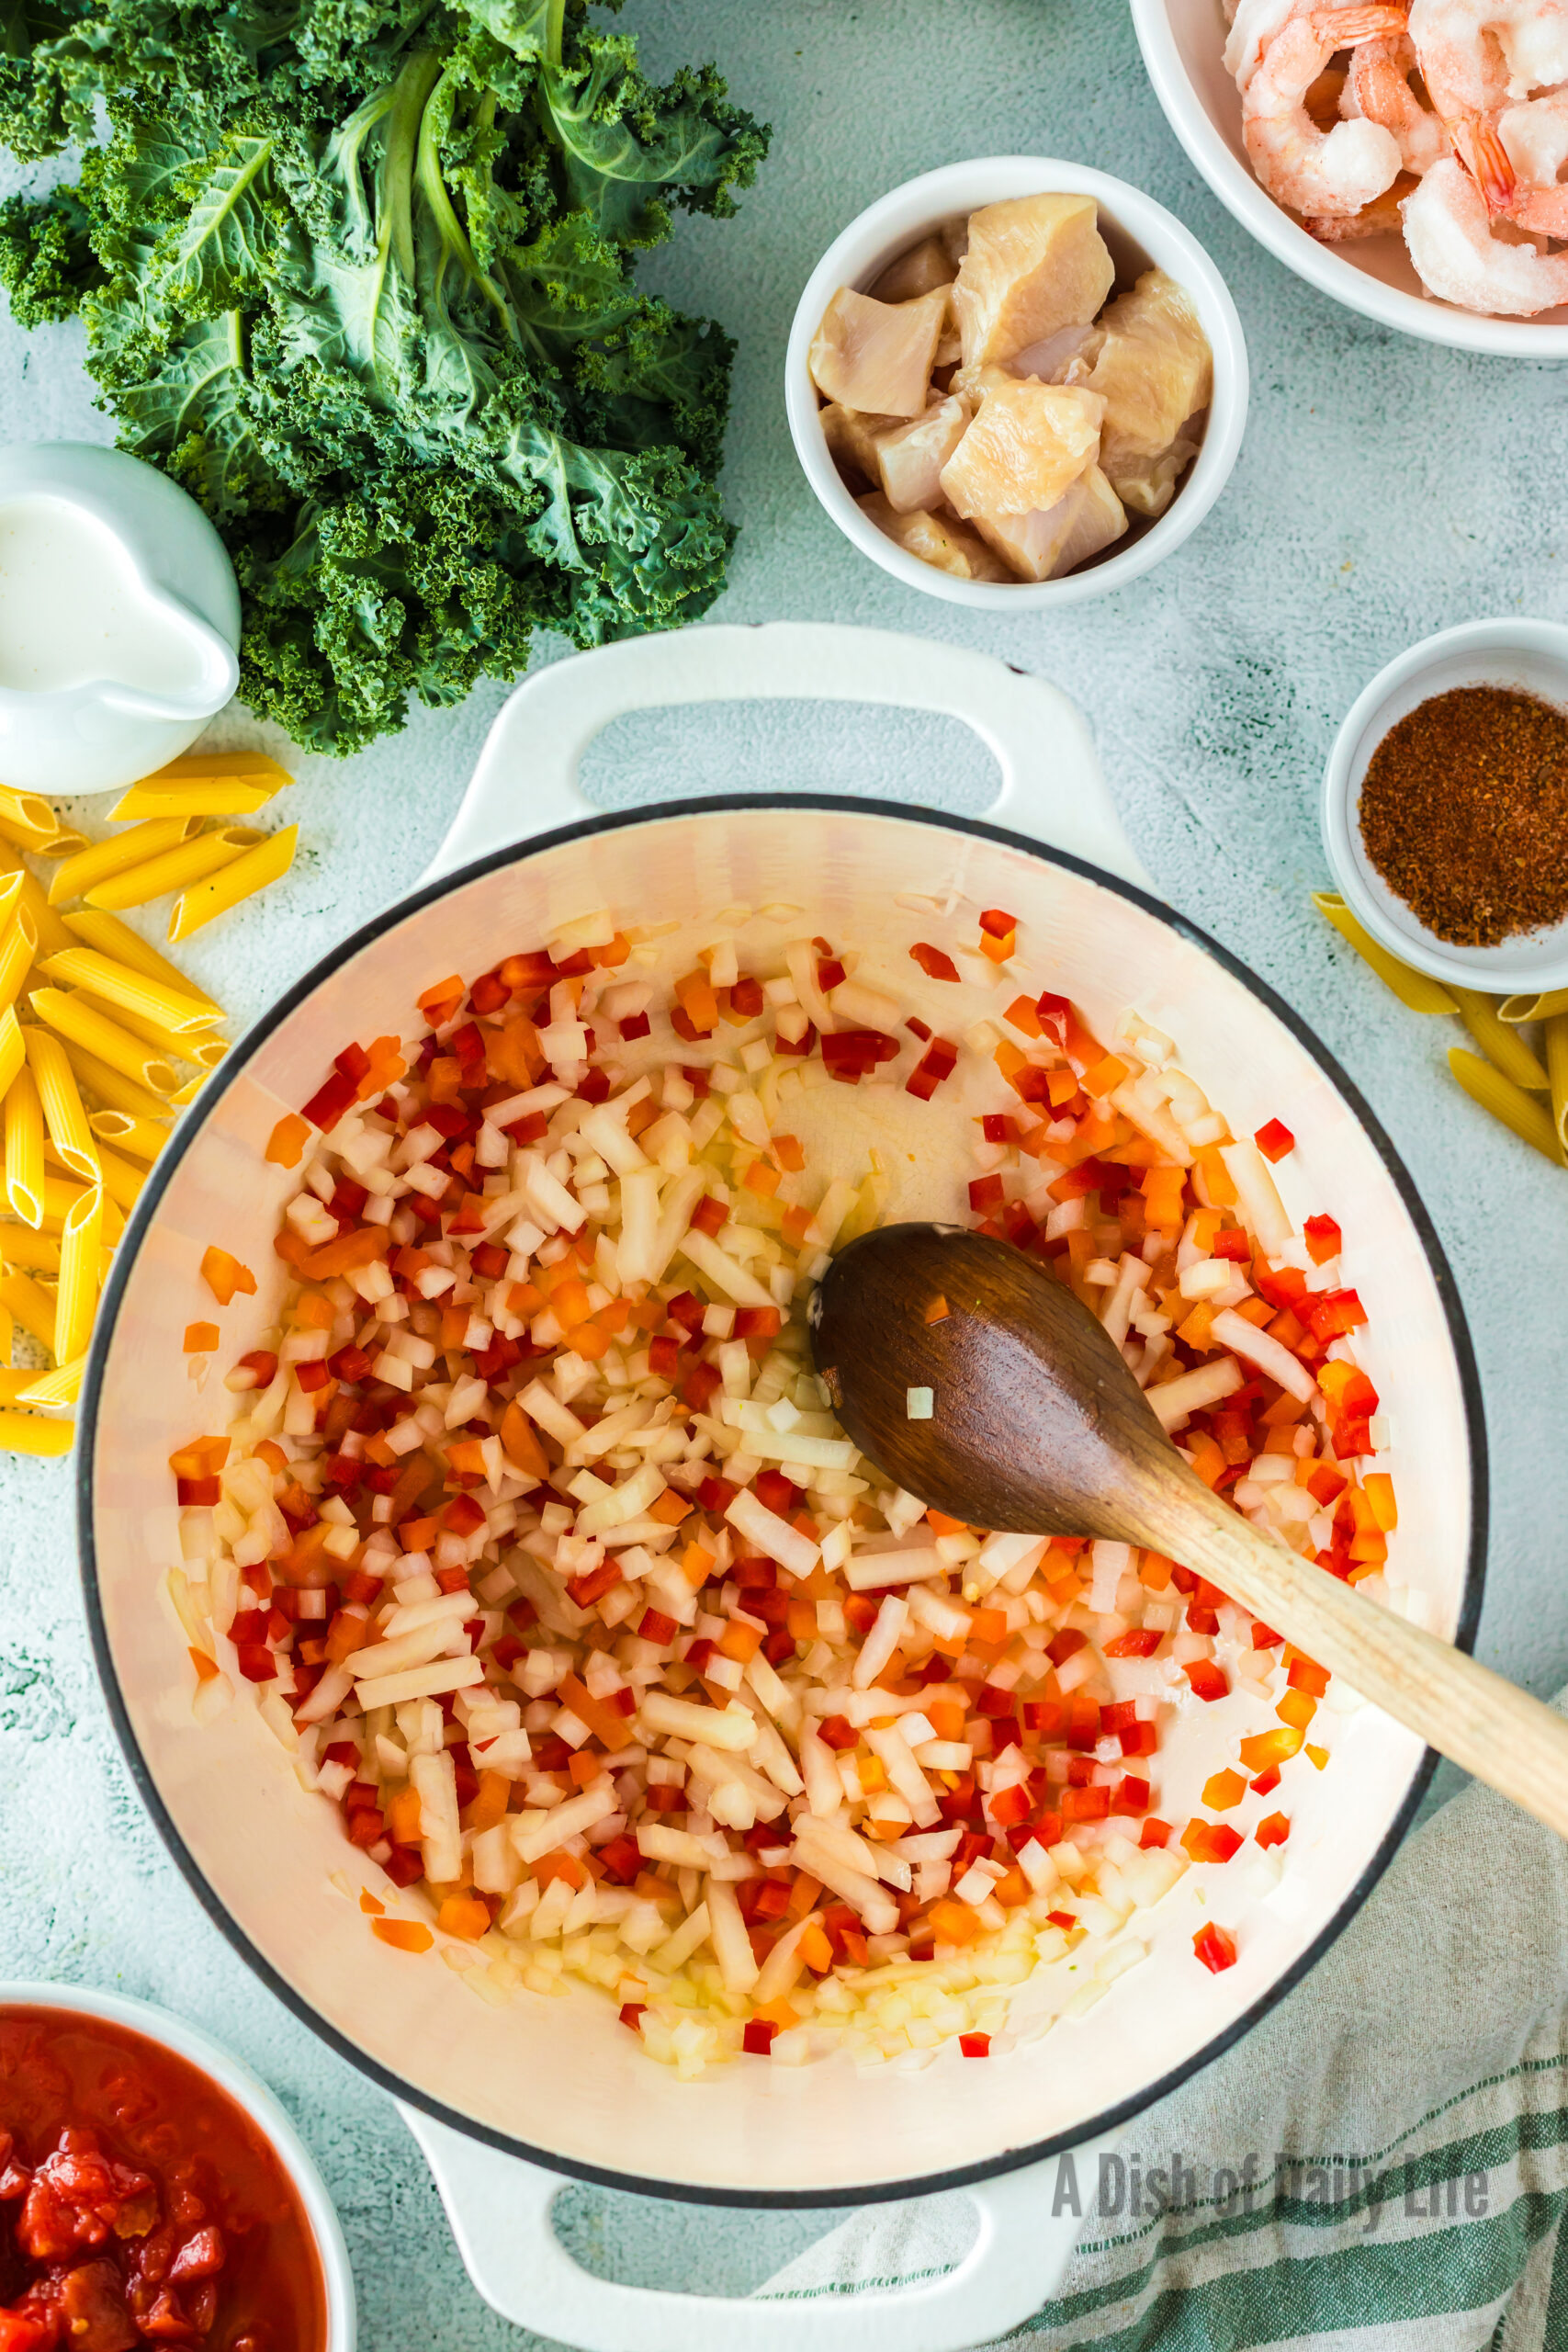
[{"x": 119, "y": 617}]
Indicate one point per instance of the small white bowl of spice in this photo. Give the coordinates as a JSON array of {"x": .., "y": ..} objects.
[
  {"x": 1445, "y": 806},
  {"x": 1016, "y": 382}
]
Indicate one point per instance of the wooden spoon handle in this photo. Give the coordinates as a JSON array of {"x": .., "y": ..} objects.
[{"x": 1498, "y": 1733}]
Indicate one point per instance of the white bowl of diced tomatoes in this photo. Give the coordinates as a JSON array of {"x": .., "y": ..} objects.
[{"x": 1140, "y": 234}]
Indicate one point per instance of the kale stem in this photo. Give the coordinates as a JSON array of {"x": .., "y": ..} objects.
[
  {"x": 410, "y": 93},
  {"x": 454, "y": 237},
  {"x": 555, "y": 32}
]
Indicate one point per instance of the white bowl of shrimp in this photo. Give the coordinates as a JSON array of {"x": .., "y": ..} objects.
[{"x": 1440, "y": 227}]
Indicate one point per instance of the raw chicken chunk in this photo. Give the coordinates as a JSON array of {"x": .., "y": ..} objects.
[
  {"x": 938, "y": 539},
  {"x": 1034, "y": 265},
  {"x": 871, "y": 355},
  {"x": 1043, "y": 546},
  {"x": 1155, "y": 370},
  {"x": 852, "y": 434},
  {"x": 1065, "y": 357},
  {"x": 923, "y": 267},
  {"x": 911, "y": 457},
  {"x": 1027, "y": 443}
]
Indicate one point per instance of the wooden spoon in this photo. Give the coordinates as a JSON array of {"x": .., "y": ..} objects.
[{"x": 1039, "y": 1427}]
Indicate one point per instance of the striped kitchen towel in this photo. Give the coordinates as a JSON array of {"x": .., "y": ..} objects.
[{"x": 1382, "y": 2165}]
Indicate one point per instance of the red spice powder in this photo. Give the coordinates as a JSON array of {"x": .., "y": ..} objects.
[{"x": 1464, "y": 813}]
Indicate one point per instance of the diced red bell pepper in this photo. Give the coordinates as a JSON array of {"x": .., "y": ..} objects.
[
  {"x": 757, "y": 2037},
  {"x": 1274, "y": 1140},
  {"x": 1323, "y": 1238},
  {"x": 932, "y": 962},
  {"x": 974, "y": 2045},
  {"x": 1207, "y": 1680},
  {"x": 1215, "y": 1947}
]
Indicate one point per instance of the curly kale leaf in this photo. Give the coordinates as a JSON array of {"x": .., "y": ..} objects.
[
  {"x": 47, "y": 261},
  {"x": 358, "y": 274},
  {"x": 626, "y": 145}
]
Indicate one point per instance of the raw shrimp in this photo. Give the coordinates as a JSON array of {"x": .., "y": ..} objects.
[
  {"x": 1535, "y": 139},
  {"x": 1381, "y": 217},
  {"x": 1379, "y": 79},
  {"x": 1253, "y": 26},
  {"x": 1458, "y": 257},
  {"x": 1324, "y": 173},
  {"x": 1476, "y": 55}
]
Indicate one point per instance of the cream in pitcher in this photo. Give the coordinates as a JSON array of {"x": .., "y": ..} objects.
[
  {"x": 119, "y": 617},
  {"x": 74, "y": 610}
]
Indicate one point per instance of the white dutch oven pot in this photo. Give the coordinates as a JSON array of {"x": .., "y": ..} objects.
[{"x": 505, "y": 2101}]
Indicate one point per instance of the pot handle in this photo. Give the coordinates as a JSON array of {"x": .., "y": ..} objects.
[
  {"x": 526, "y": 782},
  {"x": 499, "y": 2208}
]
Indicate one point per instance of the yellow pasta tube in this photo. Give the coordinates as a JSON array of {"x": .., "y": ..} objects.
[
  {"x": 1499, "y": 1043},
  {"x": 36, "y": 1253},
  {"x": 266, "y": 863},
  {"x": 24, "y": 1150},
  {"x": 1412, "y": 989},
  {"x": 76, "y": 875},
  {"x": 94, "y": 927},
  {"x": 208, "y": 1052},
  {"x": 1537, "y": 1006},
  {"x": 29, "y": 813},
  {"x": 77, "y": 1298},
  {"x": 130, "y": 991},
  {"x": 174, "y": 868},
  {"x": 32, "y": 1433},
  {"x": 1531, "y": 1119},
  {"x": 188, "y": 1091},
  {"x": 13, "y": 1048},
  {"x": 65, "y": 841},
  {"x": 52, "y": 931},
  {"x": 1556, "y": 1040},
  {"x": 19, "y": 945},
  {"x": 110, "y": 1086},
  {"x": 13, "y": 1383},
  {"x": 143, "y": 1138},
  {"x": 71, "y": 1015},
  {"x": 31, "y": 1306},
  {"x": 59, "y": 1194},
  {"x": 179, "y": 785},
  {"x": 61, "y": 1387},
  {"x": 63, "y": 1113},
  {"x": 122, "y": 1179}
]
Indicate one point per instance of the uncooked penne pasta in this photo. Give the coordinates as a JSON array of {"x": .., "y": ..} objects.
[
  {"x": 1556, "y": 1040},
  {"x": 12, "y": 1047},
  {"x": 61, "y": 1387},
  {"x": 143, "y": 1138},
  {"x": 19, "y": 945},
  {"x": 76, "y": 875},
  {"x": 266, "y": 863},
  {"x": 1412, "y": 989},
  {"x": 31, "y": 1304},
  {"x": 36, "y": 1253},
  {"x": 96, "y": 927},
  {"x": 1536, "y": 1006},
  {"x": 12, "y": 1382},
  {"x": 61, "y": 1192},
  {"x": 24, "y": 1150},
  {"x": 116, "y": 984},
  {"x": 71, "y": 1015},
  {"x": 1499, "y": 1043},
  {"x": 35, "y": 1433},
  {"x": 64, "y": 840},
  {"x": 77, "y": 1297},
  {"x": 111, "y": 1086},
  {"x": 123, "y": 1179},
  {"x": 205, "y": 783},
  {"x": 1485, "y": 1084},
  {"x": 63, "y": 1113},
  {"x": 29, "y": 813},
  {"x": 175, "y": 867},
  {"x": 189, "y": 1091},
  {"x": 51, "y": 932},
  {"x": 207, "y": 1052}
]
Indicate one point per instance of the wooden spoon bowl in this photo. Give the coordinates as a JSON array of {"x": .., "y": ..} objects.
[{"x": 1038, "y": 1427}]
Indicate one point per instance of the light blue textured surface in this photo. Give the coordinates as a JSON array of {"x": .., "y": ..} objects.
[{"x": 1387, "y": 488}]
